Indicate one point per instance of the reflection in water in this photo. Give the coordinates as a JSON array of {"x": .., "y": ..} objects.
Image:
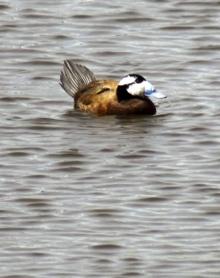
[{"x": 85, "y": 196}]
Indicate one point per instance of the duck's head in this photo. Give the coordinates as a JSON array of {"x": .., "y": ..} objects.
[{"x": 135, "y": 85}]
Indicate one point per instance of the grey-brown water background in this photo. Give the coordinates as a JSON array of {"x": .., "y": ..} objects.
[{"x": 85, "y": 196}]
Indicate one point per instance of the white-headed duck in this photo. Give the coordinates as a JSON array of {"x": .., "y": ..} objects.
[{"x": 106, "y": 97}]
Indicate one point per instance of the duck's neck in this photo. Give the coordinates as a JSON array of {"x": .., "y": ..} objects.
[{"x": 122, "y": 93}]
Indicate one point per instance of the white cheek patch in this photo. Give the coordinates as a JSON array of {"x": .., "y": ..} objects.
[
  {"x": 136, "y": 89},
  {"x": 126, "y": 80}
]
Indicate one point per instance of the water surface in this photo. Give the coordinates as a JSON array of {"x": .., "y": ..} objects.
[{"x": 85, "y": 196}]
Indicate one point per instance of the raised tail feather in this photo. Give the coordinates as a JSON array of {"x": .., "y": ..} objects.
[{"x": 74, "y": 78}]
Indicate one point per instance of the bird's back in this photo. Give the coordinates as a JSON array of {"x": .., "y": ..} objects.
[{"x": 97, "y": 97}]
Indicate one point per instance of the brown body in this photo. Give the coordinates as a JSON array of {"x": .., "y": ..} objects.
[{"x": 99, "y": 96}]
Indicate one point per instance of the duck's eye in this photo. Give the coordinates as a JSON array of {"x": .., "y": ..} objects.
[{"x": 139, "y": 79}]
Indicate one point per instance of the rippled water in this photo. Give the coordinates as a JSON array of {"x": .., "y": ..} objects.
[{"x": 85, "y": 196}]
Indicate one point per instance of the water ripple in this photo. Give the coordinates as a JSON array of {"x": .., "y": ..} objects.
[{"x": 85, "y": 196}]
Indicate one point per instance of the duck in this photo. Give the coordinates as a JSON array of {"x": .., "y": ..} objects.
[{"x": 130, "y": 95}]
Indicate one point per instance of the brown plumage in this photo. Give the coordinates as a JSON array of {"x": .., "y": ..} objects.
[{"x": 101, "y": 97}]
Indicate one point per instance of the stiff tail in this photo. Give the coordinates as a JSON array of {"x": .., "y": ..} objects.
[{"x": 74, "y": 78}]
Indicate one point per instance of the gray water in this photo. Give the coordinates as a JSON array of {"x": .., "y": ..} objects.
[{"x": 86, "y": 196}]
